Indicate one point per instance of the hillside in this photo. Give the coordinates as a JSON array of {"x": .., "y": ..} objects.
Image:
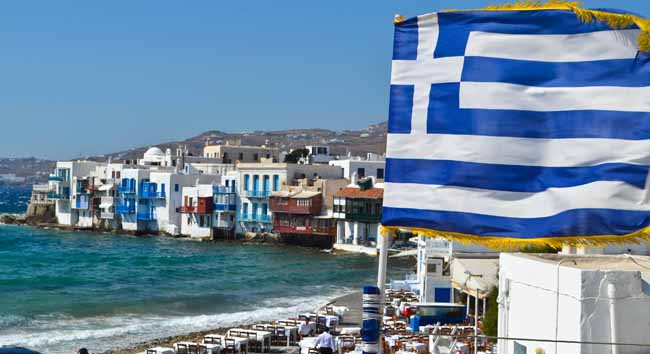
[{"x": 357, "y": 142}]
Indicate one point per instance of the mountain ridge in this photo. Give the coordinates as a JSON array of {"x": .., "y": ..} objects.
[{"x": 371, "y": 139}]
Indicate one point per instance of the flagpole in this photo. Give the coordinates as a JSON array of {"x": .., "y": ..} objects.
[{"x": 381, "y": 280}]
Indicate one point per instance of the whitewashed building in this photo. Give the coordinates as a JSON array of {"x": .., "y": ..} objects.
[
  {"x": 357, "y": 209},
  {"x": 230, "y": 153},
  {"x": 68, "y": 186},
  {"x": 372, "y": 166},
  {"x": 319, "y": 154},
  {"x": 591, "y": 298}
]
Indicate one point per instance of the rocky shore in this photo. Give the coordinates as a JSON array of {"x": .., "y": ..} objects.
[{"x": 352, "y": 318}]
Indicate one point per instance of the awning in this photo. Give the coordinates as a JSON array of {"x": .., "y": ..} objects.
[
  {"x": 106, "y": 187},
  {"x": 472, "y": 274}
]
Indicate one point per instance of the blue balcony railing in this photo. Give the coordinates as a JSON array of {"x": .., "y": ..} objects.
[
  {"x": 225, "y": 207},
  {"x": 126, "y": 189},
  {"x": 222, "y": 190},
  {"x": 254, "y": 218},
  {"x": 147, "y": 194},
  {"x": 257, "y": 194},
  {"x": 125, "y": 209},
  {"x": 146, "y": 216},
  {"x": 83, "y": 205},
  {"x": 55, "y": 195}
]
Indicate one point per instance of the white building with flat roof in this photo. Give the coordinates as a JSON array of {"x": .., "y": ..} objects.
[
  {"x": 375, "y": 166},
  {"x": 232, "y": 153},
  {"x": 590, "y": 298}
]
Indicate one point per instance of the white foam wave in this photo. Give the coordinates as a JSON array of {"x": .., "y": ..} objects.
[{"x": 64, "y": 334}]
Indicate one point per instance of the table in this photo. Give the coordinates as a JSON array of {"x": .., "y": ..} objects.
[
  {"x": 290, "y": 331},
  {"x": 306, "y": 344},
  {"x": 241, "y": 344},
  {"x": 350, "y": 330},
  {"x": 262, "y": 336},
  {"x": 160, "y": 350},
  {"x": 187, "y": 346}
]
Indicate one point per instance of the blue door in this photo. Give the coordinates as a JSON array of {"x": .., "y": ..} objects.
[
  {"x": 443, "y": 295},
  {"x": 265, "y": 209},
  {"x": 254, "y": 211},
  {"x": 246, "y": 180},
  {"x": 256, "y": 182},
  {"x": 276, "y": 183},
  {"x": 266, "y": 187}
]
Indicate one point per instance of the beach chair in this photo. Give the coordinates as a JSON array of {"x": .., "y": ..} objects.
[
  {"x": 229, "y": 346},
  {"x": 182, "y": 349},
  {"x": 281, "y": 336},
  {"x": 259, "y": 327},
  {"x": 254, "y": 345},
  {"x": 212, "y": 340}
]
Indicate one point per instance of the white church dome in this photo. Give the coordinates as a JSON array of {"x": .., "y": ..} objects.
[{"x": 154, "y": 154}]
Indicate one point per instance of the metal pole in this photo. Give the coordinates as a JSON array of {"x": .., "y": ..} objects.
[
  {"x": 476, "y": 322},
  {"x": 611, "y": 293},
  {"x": 381, "y": 281}
]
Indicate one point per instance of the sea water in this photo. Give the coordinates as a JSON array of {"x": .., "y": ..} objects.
[
  {"x": 63, "y": 290},
  {"x": 14, "y": 199}
]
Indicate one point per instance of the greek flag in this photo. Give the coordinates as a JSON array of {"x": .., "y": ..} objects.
[{"x": 519, "y": 127}]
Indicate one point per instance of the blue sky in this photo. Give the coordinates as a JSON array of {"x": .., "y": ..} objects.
[{"x": 89, "y": 77}]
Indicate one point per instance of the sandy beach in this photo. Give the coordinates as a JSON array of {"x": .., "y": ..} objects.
[{"x": 352, "y": 318}]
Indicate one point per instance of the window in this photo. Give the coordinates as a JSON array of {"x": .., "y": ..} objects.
[
  {"x": 176, "y": 187},
  {"x": 304, "y": 202},
  {"x": 256, "y": 156},
  {"x": 432, "y": 268},
  {"x": 361, "y": 172},
  {"x": 246, "y": 180},
  {"x": 241, "y": 156},
  {"x": 380, "y": 173}
]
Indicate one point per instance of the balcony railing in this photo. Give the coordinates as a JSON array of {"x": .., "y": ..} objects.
[
  {"x": 254, "y": 218},
  {"x": 222, "y": 190},
  {"x": 257, "y": 194},
  {"x": 126, "y": 189},
  {"x": 225, "y": 207},
  {"x": 107, "y": 215},
  {"x": 305, "y": 230},
  {"x": 187, "y": 209},
  {"x": 55, "y": 195},
  {"x": 146, "y": 216},
  {"x": 125, "y": 209},
  {"x": 55, "y": 178},
  {"x": 145, "y": 194},
  {"x": 41, "y": 188}
]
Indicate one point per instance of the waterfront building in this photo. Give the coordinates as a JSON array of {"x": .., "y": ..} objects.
[
  {"x": 197, "y": 211},
  {"x": 39, "y": 194},
  {"x": 372, "y": 166},
  {"x": 302, "y": 214},
  {"x": 357, "y": 209},
  {"x": 68, "y": 188},
  {"x": 256, "y": 182},
  {"x": 590, "y": 298},
  {"x": 225, "y": 207},
  {"x": 234, "y": 152},
  {"x": 208, "y": 210}
]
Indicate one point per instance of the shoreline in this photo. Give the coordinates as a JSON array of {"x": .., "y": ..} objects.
[{"x": 352, "y": 318}]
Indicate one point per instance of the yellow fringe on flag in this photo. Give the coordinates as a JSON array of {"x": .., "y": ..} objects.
[
  {"x": 512, "y": 244},
  {"x": 613, "y": 20}
]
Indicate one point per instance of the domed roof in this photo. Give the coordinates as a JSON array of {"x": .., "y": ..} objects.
[{"x": 153, "y": 152}]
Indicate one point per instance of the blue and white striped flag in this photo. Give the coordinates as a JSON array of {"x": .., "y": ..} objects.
[{"x": 519, "y": 127}]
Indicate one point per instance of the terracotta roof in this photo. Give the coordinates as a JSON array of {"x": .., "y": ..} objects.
[{"x": 354, "y": 192}]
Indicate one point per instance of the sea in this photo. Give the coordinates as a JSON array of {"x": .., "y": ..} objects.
[
  {"x": 14, "y": 199},
  {"x": 65, "y": 290}
]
